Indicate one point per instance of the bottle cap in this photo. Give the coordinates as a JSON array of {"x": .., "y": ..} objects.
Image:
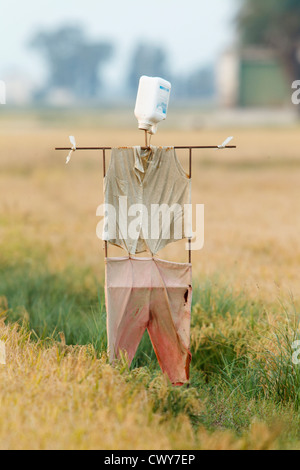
[{"x": 146, "y": 126}]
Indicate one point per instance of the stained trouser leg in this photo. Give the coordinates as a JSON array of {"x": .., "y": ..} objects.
[
  {"x": 127, "y": 303},
  {"x": 169, "y": 322},
  {"x": 133, "y": 324}
]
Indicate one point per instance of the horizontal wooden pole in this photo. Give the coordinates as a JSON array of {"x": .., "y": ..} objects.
[{"x": 144, "y": 148}]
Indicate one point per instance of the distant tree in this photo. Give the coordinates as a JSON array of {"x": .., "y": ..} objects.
[
  {"x": 276, "y": 24},
  {"x": 201, "y": 83},
  {"x": 148, "y": 60},
  {"x": 74, "y": 62}
]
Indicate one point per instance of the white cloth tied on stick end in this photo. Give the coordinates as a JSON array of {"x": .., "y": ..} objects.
[
  {"x": 226, "y": 142},
  {"x": 73, "y": 143}
]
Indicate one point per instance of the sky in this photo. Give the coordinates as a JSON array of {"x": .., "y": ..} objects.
[{"x": 193, "y": 32}]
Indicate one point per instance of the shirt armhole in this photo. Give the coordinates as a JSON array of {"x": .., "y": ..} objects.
[{"x": 179, "y": 166}]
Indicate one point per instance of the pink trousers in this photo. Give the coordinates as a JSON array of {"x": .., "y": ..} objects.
[{"x": 152, "y": 294}]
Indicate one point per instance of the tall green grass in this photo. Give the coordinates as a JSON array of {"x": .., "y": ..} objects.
[{"x": 54, "y": 303}]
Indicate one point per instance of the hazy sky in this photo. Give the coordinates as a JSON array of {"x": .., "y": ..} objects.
[{"x": 192, "y": 31}]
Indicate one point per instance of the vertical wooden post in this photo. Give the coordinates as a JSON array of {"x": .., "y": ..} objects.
[{"x": 190, "y": 176}]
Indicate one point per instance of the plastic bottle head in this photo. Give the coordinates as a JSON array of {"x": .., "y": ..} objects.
[{"x": 152, "y": 102}]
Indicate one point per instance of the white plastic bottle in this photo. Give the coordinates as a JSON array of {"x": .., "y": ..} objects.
[{"x": 152, "y": 102}]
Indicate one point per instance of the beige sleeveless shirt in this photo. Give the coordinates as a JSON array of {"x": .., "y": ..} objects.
[{"x": 146, "y": 191}]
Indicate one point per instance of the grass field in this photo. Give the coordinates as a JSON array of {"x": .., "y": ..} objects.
[{"x": 58, "y": 390}]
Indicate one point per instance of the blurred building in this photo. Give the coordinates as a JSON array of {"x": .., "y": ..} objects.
[
  {"x": 252, "y": 78},
  {"x": 19, "y": 88}
]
